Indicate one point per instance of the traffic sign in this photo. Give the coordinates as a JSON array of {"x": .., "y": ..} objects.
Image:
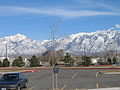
[{"x": 55, "y": 69}]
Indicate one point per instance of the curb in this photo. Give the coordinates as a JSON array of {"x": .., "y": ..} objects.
[
  {"x": 109, "y": 72},
  {"x": 74, "y": 68},
  {"x": 29, "y": 71},
  {"x": 114, "y": 88},
  {"x": 89, "y": 68}
]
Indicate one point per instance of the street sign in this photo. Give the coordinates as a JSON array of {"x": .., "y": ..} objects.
[{"x": 55, "y": 69}]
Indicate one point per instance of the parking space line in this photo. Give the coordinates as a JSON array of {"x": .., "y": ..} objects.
[
  {"x": 31, "y": 88},
  {"x": 82, "y": 89},
  {"x": 97, "y": 85},
  {"x": 51, "y": 77},
  {"x": 74, "y": 75},
  {"x": 64, "y": 87},
  {"x": 97, "y": 75},
  {"x": 36, "y": 76}
]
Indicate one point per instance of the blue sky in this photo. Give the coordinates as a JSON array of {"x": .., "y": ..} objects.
[{"x": 36, "y": 18}]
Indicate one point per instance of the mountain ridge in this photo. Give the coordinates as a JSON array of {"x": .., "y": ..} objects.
[
  {"x": 95, "y": 42},
  {"x": 80, "y": 43}
]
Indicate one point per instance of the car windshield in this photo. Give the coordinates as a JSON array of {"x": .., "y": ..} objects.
[{"x": 10, "y": 77}]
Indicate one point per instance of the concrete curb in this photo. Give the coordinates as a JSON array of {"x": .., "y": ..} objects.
[
  {"x": 109, "y": 72},
  {"x": 12, "y": 68},
  {"x": 115, "y": 88},
  {"x": 29, "y": 71},
  {"x": 25, "y": 71},
  {"x": 74, "y": 68}
]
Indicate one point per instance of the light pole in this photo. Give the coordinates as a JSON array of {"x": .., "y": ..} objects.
[
  {"x": 55, "y": 72},
  {"x": 6, "y": 55},
  {"x": 56, "y": 81},
  {"x": 53, "y": 84},
  {"x": 53, "y": 41}
]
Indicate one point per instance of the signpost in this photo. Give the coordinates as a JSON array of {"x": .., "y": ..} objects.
[
  {"x": 55, "y": 69},
  {"x": 55, "y": 73}
]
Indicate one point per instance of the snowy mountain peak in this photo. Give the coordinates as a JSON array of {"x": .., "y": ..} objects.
[
  {"x": 105, "y": 31},
  {"x": 18, "y": 37},
  {"x": 20, "y": 45},
  {"x": 81, "y": 34},
  {"x": 94, "y": 42}
]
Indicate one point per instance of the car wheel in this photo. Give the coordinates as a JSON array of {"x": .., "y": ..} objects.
[{"x": 26, "y": 84}]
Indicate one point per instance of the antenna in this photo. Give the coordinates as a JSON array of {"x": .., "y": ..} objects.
[
  {"x": 6, "y": 55},
  {"x": 53, "y": 42},
  {"x": 9, "y": 48},
  {"x": 54, "y": 28}
]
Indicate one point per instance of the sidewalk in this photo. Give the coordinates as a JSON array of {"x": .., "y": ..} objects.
[
  {"x": 116, "y": 88},
  {"x": 110, "y": 72},
  {"x": 22, "y": 71}
]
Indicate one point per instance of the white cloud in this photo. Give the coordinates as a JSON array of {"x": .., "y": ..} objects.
[
  {"x": 12, "y": 10},
  {"x": 117, "y": 26},
  {"x": 96, "y": 4}
]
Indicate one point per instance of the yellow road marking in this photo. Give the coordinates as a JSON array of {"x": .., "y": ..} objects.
[
  {"x": 51, "y": 77},
  {"x": 74, "y": 75},
  {"x": 36, "y": 76},
  {"x": 97, "y": 85},
  {"x": 96, "y": 74},
  {"x": 82, "y": 89},
  {"x": 64, "y": 87},
  {"x": 31, "y": 88}
]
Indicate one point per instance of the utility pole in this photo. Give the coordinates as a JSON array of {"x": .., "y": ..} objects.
[
  {"x": 109, "y": 50},
  {"x": 6, "y": 55},
  {"x": 52, "y": 58},
  {"x": 53, "y": 42},
  {"x": 9, "y": 49},
  {"x": 84, "y": 50}
]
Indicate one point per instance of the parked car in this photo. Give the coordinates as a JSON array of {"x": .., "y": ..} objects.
[{"x": 13, "y": 81}]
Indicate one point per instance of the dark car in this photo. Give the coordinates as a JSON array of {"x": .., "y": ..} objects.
[{"x": 13, "y": 81}]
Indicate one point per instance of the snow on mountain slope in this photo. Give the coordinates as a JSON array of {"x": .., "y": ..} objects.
[
  {"x": 95, "y": 42},
  {"x": 20, "y": 45}
]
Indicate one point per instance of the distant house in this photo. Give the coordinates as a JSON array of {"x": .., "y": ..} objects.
[
  {"x": 94, "y": 60},
  {"x": 101, "y": 60},
  {"x": 118, "y": 60},
  {"x": 27, "y": 63}
]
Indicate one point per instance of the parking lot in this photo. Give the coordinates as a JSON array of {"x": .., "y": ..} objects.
[{"x": 72, "y": 79}]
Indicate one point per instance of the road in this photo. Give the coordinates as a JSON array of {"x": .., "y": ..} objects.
[{"x": 72, "y": 79}]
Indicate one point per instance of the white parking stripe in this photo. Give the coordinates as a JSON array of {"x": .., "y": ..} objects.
[{"x": 31, "y": 88}]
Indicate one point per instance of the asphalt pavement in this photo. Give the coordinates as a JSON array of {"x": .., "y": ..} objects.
[{"x": 70, "y": 79}]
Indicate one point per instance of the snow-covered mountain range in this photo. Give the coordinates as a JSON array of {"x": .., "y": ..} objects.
[
  {"x": 89, "y": 43},
  {"x": 20, "y": 45}
]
